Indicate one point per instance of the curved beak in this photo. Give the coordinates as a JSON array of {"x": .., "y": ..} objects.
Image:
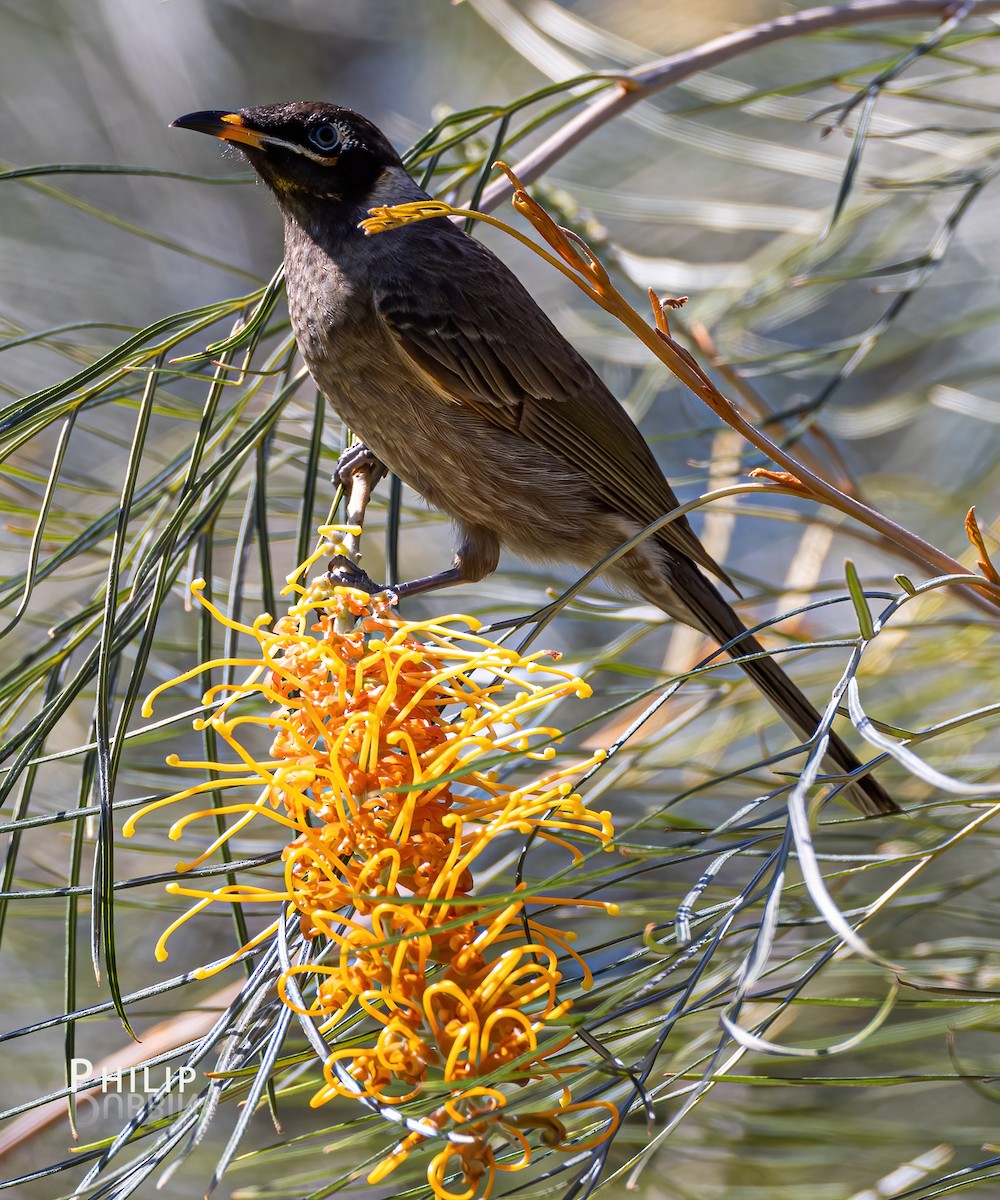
[{"x": 228, "y": 126}]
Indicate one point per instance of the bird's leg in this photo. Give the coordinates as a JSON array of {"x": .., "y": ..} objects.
[{"x": 476, "y": 557}]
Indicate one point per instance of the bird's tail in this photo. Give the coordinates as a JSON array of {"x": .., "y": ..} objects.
[{"x": 704, "y": 607}]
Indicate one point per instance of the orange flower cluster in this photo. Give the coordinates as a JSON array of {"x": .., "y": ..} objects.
[{"x": 383, "y": 768}]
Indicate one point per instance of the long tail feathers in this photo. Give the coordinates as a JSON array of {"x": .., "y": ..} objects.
[{"x": 704, "y": 607}]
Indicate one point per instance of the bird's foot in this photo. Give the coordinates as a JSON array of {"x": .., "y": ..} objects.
[
  {"x": 343, "y": 572},
  {"x": 358, "y": 458}
]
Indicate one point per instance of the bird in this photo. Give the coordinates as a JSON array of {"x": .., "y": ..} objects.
[{"x": 452, "y": 377}]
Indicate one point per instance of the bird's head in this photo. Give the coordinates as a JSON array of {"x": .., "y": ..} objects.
[{"x": 304, "y": 151}]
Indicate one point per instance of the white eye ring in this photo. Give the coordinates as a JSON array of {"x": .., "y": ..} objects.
[{"x": 325, "y": 137}]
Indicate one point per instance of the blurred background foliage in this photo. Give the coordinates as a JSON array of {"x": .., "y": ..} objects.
[{"x": 871, "y": 350}]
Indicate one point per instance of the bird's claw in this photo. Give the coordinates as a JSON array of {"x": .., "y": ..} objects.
[
  {"x": 358, "y": 458},
  {"x": 344, "y": 572}
]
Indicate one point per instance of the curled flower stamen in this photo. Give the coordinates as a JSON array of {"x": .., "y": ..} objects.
[{"x": 382, "y": 773}]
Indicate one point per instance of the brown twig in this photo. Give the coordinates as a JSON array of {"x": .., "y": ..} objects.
[
  {"x": 358, "y": 495},
  {"x": 976, "y": 538},
  {"x": 831, "y": 465},
  {"x": 645, "y": 81}
]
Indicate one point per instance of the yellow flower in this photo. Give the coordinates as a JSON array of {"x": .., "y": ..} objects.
[{"x": 383, "y": 777}]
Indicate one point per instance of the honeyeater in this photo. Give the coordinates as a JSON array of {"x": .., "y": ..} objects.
[{"x": 439, "y": 360}]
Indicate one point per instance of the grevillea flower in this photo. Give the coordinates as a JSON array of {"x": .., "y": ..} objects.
[{"x": 388, "y": 780}]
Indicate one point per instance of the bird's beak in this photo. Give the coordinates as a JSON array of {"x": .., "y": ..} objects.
[{"x": 230, "y": 127}]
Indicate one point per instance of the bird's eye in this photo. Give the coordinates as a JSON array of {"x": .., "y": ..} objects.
[{"x": 325, "y": 137}]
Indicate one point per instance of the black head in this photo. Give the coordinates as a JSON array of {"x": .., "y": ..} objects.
[{"x": 304, "y": 150}]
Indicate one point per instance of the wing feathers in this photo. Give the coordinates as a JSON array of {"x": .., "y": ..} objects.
[{"x": 469, "y": 323}]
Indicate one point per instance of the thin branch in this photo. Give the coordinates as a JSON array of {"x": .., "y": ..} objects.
[{"x": 644, "y": 82}]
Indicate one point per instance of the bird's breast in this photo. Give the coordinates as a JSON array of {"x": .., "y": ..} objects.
[
  {"x": 460, "y": 462},
  {"x": 355, "y": 360}
]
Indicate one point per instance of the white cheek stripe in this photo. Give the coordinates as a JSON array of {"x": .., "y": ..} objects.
[{"x": 327, "y": 160}]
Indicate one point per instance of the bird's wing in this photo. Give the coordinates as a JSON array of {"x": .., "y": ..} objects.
[{"x": 466, "y": 320}]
